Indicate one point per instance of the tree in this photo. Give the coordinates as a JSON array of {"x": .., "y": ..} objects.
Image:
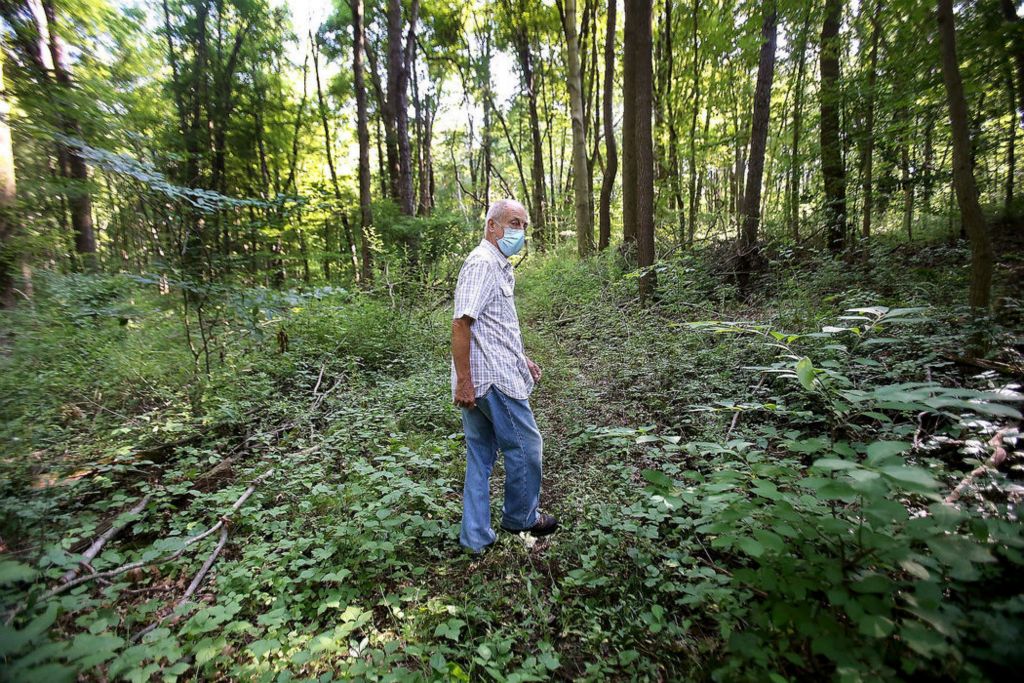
[
  {"x": 363, "y": 134},
  {"x": 37, "y": 35},
  {"x": 793, "y": 181},
  {"x": 527, "y": 67},
  {"x": 638, "y": 82},
  {"x": 7, "y": 194},
  {"x": 963, "y": 172},
  {"x": 832, "y": 169},
  {"x": 867, "y": 162},
  {"x": 612, "y": 162},
  {"x": 580, "y": 169},
  {"x": 758, "y": 141}
]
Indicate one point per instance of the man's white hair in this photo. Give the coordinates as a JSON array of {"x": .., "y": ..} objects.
[{"x": 498, "y": 209}]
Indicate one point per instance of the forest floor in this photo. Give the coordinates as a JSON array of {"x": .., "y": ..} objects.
[{"x": 746, "y": 490}]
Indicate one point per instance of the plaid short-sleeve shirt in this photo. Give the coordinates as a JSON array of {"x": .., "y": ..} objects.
[{"x": 484, "y": 292}]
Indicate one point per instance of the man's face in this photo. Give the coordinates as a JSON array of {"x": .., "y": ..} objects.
[{"x": 514, "y": 218}]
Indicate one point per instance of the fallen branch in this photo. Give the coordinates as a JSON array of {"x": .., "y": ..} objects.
[
  {"x": 984, "y": 364},
  {"x": 57, "y": 590},
  {"x": 997, "y": 458},
  {"x": 736, "y": 417},
  {"x": 319, "y": 379},
  {"x": 196, "y": 581},
  {"x": 93, "y": 550}
]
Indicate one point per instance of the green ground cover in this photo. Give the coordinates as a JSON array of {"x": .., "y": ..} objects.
[{"x": 749, "y": 491}]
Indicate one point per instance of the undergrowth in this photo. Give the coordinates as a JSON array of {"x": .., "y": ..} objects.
[{"x": 748, "y": 491}]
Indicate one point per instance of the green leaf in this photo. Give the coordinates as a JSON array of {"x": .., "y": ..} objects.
[
  {"x": 657, "y": 478},
  {"x": 906, "y": 474},
  {"x": 750, "y": 546},
  {"x": 832, "y": 464},
  {"x": 14, "y": 572},
  {"x": 805, "y": 373},
  {"x": 875, "y": 626},
  {"x": 880, "y": 450}
]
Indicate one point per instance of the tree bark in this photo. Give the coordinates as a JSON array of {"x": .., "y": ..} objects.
[
  {"x": 1011, "y": 145},
  {"x": 580, "y": 169},
  {"x": 8, "y": 195},
  {"x": 406, "y": 195},
  {"x": 73, "y": 166},
  {"x": 793, "y": 199},
  {"x": 693, "y": 191},
  {"x": 639, "y": 74},
  {"x": 329, "y": 151},
  {"x": 629, "y": 160},
  {"x": 390, "y": 109},
  {"x": 1009, "y": 8},
  {"x": 832, "y": 169},
  {"x": 363, "y": 134},
  {"x": 963, "y": 173},
  {"x": 758, "y": 142},
  {"x": 608, "y": 181},
  {"x": 524, "y": 54},
  {"x": 867, "y": 166}
]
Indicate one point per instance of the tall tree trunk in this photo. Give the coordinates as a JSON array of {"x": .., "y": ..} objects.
[
  {"x": 1011, "y": 145},
  {"x": 670, "y": 115},
  {"x": 73, "y": 166},
  {"x": 540, "y": 202},
  {"x": 963, "y": 174},
  {"x": 867, "y": 165},
  {"x": 329, "y": 150},
  {"x": 694, "y": 194},
  {"x": 639, "y": 72},
  {"x": 832, "y": 169},
  {"x": 363, "y": 134},
  {"x": 793, "y": 197},
  {"x": 630, "y": 58},
  {"x": 406, "y": 195},
  {"x": 608, "y": 181},
  {"x": 1009, "y": 8},
  {"x": 927, "y": 163},
  {"x": 758, "y": 142},
  {"x": 908, "y": 187},
  {"x": 390, "y": 110},
  {"x": 8, "y": 194},
  {"x": 580, "y": 170}
]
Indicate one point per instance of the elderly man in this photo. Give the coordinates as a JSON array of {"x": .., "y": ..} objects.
[{"x": 491, "y": 381}]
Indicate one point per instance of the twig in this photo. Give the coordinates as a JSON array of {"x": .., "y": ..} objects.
[
  {"x": 997, "y": 458},
  {"x": 57, "y": 590},
  {"x": 196, "y": 581},
  {"x": 101, "y": 540}
]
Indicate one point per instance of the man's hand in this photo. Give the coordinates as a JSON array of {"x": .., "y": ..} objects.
[
  {"x": 465, "y": 394},
  {"x": 535, "y": 371}
]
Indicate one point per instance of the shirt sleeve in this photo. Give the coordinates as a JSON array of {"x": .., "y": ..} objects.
[{"x": 474, "y": 289}]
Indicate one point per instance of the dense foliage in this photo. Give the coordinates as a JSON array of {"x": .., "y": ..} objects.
[
  {"x": 773, "y": 276},
  {"x": 806, "y": 537}
]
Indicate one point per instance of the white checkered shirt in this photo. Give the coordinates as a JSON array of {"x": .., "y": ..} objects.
[{"x": 484, "y": 293}]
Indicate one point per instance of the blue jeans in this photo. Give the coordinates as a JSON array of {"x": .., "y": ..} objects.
[{"x": 499, "y": 422}]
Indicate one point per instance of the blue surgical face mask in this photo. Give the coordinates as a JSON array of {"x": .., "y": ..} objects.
[{"x": 512, "y": 242}]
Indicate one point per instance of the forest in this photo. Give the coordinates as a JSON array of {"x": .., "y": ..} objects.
[{"x": 773, "y": 275}]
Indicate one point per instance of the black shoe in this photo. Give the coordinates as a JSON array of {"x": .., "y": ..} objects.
[{"x": 545, "y": 524}]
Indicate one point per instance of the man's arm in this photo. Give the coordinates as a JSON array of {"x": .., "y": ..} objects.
[{"x": 465, "y": 394}]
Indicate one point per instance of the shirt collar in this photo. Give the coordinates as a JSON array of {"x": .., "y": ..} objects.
[{"x": 496, "y": 253}]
